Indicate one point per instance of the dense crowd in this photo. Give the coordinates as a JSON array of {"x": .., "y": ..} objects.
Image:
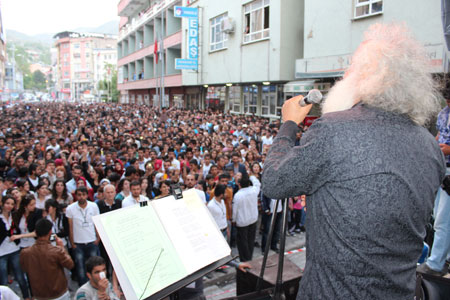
[{"x": 68, "y": 162}]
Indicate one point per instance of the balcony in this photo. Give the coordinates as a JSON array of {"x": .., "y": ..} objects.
[
  {"x": 127, "y": 8},
  {"x": 143, "y": 17}
]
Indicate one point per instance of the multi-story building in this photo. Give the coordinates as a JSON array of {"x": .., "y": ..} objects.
[
  {"x": 145, "y": 26},
  {"x": 334, "y": 29},
  {"x": 13, "y": 78},
  {"x": 246, "y": 53},
  {"x": 77, "y": 62},
  {"x": 255, "y": 54},
  {"x": 2, "y": 53}
]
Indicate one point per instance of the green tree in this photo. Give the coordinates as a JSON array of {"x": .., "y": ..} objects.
[
  {"x": 111, "y": 82},
  {"x": 39, "y": 80}
]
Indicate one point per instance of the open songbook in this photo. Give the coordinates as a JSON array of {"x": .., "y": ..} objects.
[{"x": 154, "y": 246}]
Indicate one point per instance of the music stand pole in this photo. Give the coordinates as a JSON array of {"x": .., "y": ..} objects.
[
  {"x": 266, "y": 250},
  {"x": 279, "y": 285}
]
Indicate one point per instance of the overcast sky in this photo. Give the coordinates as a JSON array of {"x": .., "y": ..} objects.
[{"x": 51, "y": 16}]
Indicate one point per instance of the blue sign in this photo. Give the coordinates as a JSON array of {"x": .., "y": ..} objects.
[
  {"x": 193, "y": 38},
  {"x": 186, "y": 64},
  {"x": 185, "y": 12}
]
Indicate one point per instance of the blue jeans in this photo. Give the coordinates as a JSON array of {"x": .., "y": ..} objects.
[
  {"x": 14, "y": 260},
  {"x": 441, "y": 245},
  {"x": 81, "y": 253}
]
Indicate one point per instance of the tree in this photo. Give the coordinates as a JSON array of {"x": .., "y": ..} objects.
[
  {"x": 39, "y": 80},
  {"x": 111, "y": 82}
]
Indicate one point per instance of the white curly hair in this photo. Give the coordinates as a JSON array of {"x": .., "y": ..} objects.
[{"x": 390, "y": 71}]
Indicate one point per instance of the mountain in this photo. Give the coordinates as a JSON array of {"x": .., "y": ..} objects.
[
  {"x": 16, "y": 36},
  {"x": 112, "y": 27}
]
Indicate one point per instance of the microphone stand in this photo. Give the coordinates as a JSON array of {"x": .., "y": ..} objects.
[{"x": 278, "y": 291}]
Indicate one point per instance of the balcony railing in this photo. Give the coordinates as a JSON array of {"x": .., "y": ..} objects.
[
  {"x": 122, "y": 5},
  {"x": 146, "y": 15}
]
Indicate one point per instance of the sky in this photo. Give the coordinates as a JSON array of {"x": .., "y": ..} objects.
[{"x": 51, "y": 16}]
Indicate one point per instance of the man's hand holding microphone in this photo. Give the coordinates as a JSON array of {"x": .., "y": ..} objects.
[{"x": 298, "y": 107}]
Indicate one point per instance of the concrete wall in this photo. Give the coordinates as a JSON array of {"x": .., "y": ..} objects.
[
  {"x": 272, "y": 59},
  {"x": 331, "y": 30}
]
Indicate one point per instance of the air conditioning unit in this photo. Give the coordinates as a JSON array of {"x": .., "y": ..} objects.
[{"x": 227, "y": 25}]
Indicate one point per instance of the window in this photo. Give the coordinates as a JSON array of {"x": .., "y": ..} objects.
[
  {"x": 66, "y": 55},
  {"x": 76, "y": 55},
  {"x": 76, "y": 46},
  {"x": 66, "y": 64},
  {"x": 234, "y": 97},
  {"x": 67, "y": 85},
  {"x": 218, "y": 38},
  {"x": 66, "y": 45},
  {"x": 256, "y": 20},
  {"x": 365, "y": 8},
  {"x": 87, "y": 54},
  {"x": 87, "y": 45},
  {"x": 250, "y": 94},
  {"x": 268, "y": 100},
  {"x": 66, "y": 74}
]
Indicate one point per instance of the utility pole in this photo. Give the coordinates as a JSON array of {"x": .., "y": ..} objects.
[{"x": 162, "y": 58}]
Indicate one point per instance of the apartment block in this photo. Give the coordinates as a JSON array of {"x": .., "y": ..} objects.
[{"x": 81, "y": 62}]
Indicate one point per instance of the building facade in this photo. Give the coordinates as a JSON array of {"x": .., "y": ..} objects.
[
  {"x": 327, "y": 52},
  {"x": 150, "y": 39},
  {"x": 246, "y": 54},
  {"x": 255, "y": 54},
  {"x": 2, "y": 54},
  {"x": 81, "y": 63}
]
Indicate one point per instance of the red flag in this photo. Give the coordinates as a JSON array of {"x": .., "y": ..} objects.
[{"x": 155, "y": 51}]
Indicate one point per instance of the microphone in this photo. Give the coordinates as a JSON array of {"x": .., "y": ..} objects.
[{"x": 314, "y": 97}]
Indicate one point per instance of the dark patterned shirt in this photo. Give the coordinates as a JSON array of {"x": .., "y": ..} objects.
[{"x": 371, "y": 178}]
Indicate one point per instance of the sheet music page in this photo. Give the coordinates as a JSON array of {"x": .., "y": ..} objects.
[
  {"x": 192, "y": 230},
  {"x": 138, "y": 239}
]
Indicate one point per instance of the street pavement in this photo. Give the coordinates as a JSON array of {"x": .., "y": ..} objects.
[{"x": 221, "y": 286}]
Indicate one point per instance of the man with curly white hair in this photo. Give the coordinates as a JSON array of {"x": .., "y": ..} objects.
[{"x": 370, "y": 170}]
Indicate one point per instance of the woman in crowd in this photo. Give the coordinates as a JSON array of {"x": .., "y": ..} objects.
[
  {"x": 255, "y": 169},
  {"x": 58, "y": 219},
  {"x": 24, "y": 186},
  {"x": 60, "y": 193},
  {"x": 42, "y": 194},
  {"x": 60, "y": 173},
  {"x": 144, "y": 185},
  {"x": 26, "y": 217},
  {"x": 123, "y": 189},
  {"x": 9, "y": 250},
  {"x": 164, "y": 189}
]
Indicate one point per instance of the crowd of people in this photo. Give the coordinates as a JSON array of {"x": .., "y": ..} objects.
[{"x": 65, "y": 163}]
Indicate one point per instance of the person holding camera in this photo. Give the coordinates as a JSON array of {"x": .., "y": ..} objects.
[
  {"x": 98, "y": 286},
  {"x": 45, "y": 263}
]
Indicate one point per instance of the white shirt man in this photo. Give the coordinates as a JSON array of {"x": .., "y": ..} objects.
[
  {"x": 135, "y": 196},
  {"x": 81, "y": 224},
  {"x": 245, "y": 215},
  {"x": 191, "y": 183},
  {"x": 217, "y": 207},
  {"x": 245, "y": 204},
  {"x": 267, "y": 139}
]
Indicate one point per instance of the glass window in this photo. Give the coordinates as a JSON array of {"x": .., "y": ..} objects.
[
  {"x": 268, "y": 99},
  {"x": 218, "y": 37},
  {"x": 76, "y": 45},
  {"x": 366, "y": 8},
  {"x": 256, "y": 20},
  {"x": 234, "y": 96},
  {"x": 250, "y": 95}
]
